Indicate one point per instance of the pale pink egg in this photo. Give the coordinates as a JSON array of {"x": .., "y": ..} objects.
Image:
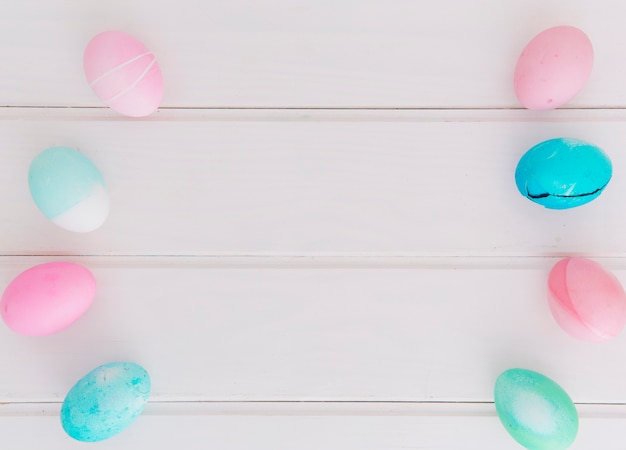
[
  {"x": 588, "y": 302},
  {"x": 123, "y": 73},
  {"x": 553, "y": 68},
  {"x": 47, "y": 298}
]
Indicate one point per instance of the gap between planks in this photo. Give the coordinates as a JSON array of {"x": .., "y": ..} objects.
[
  {"x": 307, "y": 408},
  {"x": 304, "y": 114},
  {"x": 281, "y": 261}
]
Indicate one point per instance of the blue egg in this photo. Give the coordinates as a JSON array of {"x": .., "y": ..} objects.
[
  {"x": 69, "y": 189},
  {"x": 105, "y": 401},
  {"x": 563, "y": 173}
]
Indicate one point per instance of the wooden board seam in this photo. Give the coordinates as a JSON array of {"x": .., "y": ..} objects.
[
  {"x": 308, "y": 114},
  {"x": 307, "y": 408}
]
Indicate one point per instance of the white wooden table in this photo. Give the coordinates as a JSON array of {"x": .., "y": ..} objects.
[{"x": 317, "y": 242}]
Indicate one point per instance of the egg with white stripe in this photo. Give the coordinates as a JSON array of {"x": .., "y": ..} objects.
[
  {"x": 69, "y": 189},
  {"x": 123, "y": 73}
]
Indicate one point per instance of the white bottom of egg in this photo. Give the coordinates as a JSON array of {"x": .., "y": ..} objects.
[{"x": 88, "y": 215}]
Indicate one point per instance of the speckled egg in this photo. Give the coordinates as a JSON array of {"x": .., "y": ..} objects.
[
  {"x": 535, "y": 410},
  {"x": 68, "y": 189},
  {"x": 563, "y": 173},
  {"x": 105, "y": 401},
  {"x": 587, "y": 301},
  {"x": 553, "y": 67},
  {"x": 47, "y": 298}
]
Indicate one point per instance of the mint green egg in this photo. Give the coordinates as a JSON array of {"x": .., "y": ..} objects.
[
  {"x": 68, "y": 189},
  {"x": 535, "y": 410}
]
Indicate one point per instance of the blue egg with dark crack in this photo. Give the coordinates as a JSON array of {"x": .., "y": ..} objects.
[
  {"x": 563, "y": 173},
  {"x": 105, "y": 401}
]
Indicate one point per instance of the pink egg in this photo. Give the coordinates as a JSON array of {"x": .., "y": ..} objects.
[
  {"x": 587, "y": 301},
  {"x": 123, "y": 73},
  {"x": 553, "y": 68},
  {"x": 47, "y": 298}
]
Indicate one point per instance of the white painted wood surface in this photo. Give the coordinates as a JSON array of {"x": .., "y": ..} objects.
[
  {"x": 213, "y": 333},
  {"x": 299, "y": 53},
  {"x": 300, "y": 182},
  {"x": 306, "y": 426},
  {"x": 321, "y": 220}
]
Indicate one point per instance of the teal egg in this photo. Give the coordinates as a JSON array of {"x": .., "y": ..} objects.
[
  {"x": 535, "y": 410},
  {"x": 563, "y": 173},
  {"x": 105, "y": 401},
  {"x": 68, "y": 189}
]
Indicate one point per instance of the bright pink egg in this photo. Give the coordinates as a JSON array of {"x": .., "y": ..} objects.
[
  {"x": 553, "y": 68},
  {"x": 123, "y": 73},
  {"x": 587, "y": 301},
  {"x": 47, "y": 298}
]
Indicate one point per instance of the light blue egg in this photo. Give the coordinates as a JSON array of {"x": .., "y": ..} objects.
[
  {"x": 535, "y": 410},
  {"x": 563, "y": 173},
  {"x": 105, "y": 401},
  {"x": 68, "y": 189}
]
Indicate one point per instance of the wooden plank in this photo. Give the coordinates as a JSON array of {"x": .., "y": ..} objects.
[
  {"x": 307, "y": 427},
  {"x": 246, "y": 53},
  {"x": 317, "y": 333},
  {"x": 423, "y": 183},
  {"x": 271, "y": 263}
]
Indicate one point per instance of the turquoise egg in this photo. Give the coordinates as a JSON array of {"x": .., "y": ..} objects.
[
  {"x": 105, "y": 401},
  {"x": 563, "y": 173},
  {"x": 68, "y": 189},
  {"x": 535, "y": 410}
]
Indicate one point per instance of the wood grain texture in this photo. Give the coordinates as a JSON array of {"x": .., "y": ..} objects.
[
  {"x": 305, "y": 426},
  {"x": 286, "y": 53},
  {"x": 317, "y": 242},
  {"x": 305, "y": 182},
  {"x": 313, "y": 334}
]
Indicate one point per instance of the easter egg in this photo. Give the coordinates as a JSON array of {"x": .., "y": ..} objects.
[
  {"x": 553, "y": 67},
  {"x": 47, "y": 298},
  {"x": 535, "y": 410},
  {"x": 105, "y": 401},
  {"x": 588, "y": 302},
  {"x": 123, "y": 73},
  {"x": 563, "y": 173},
  {"x": 68, "y": 189}
]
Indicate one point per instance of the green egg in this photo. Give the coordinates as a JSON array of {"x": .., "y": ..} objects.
[{"x": 535, "y": 410}]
